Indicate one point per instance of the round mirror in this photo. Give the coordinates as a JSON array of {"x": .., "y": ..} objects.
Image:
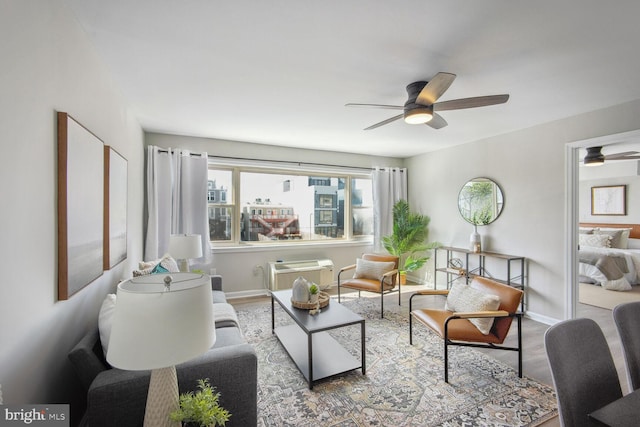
[{"x": 480, "y": 201}]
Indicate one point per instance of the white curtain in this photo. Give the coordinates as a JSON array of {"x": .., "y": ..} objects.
[
  {"x": 389, "y": 186},
  {"x": 176, "y": 199}
]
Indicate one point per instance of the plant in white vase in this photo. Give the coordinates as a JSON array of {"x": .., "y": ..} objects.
[{"x": 313, "y": 293}]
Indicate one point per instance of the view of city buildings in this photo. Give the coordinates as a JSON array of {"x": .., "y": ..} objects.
[{"x": 300, "y": 207}]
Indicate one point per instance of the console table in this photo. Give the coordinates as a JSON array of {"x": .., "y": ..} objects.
[{"x": 515, "y": 267}]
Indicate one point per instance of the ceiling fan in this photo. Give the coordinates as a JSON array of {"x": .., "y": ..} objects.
[
  {"x": 595, "y": 157},
  {"x": 421, "y": 106}
]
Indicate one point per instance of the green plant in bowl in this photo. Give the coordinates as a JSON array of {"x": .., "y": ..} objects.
[
  {"x": 201, "y": 408},
  {"x": 313, "y": 289}
]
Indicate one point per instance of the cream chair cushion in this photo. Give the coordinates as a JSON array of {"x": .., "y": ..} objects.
[
  {"x": 464, "y": 298},
  {"x": 374, "y": 270}
]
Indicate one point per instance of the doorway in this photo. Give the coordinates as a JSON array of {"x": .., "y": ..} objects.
[{"x": 627, "y": 141}]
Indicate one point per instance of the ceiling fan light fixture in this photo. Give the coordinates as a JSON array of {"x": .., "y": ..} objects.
[
  {"x": 418, "y": 116},
  {"x": 594, "y": 157}
]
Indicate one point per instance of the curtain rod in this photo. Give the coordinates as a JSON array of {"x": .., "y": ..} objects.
[{"x": 211, "y": 156}]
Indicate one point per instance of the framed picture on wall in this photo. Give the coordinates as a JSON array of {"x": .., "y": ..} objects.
[
  {"x": 115, "y": 208},
  {"x": 80, "y": 206},
  {"x": 609, "y": 200}
]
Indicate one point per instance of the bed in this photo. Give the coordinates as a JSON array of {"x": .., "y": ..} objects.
[{"x": 609, "y": 255}]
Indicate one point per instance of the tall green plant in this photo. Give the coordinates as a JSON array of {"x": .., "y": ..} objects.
[{"x": 409, "y": 238}]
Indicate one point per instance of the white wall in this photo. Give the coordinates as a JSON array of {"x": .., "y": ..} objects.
[
  {"x": 529, "y": 166},
  {"x": 48, "y": 65},
  {"x": 611, "y": 173},
  {"x": 237, "y": 264}
]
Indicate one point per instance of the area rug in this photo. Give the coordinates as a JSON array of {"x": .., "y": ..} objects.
[
  {"x": 597, "y": 296},
  {"x": 403, "y": 385}
]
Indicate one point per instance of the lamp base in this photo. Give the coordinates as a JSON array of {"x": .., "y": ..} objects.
[
  {"x": 162, "y": 398},
  {"x": 183, "y": 265}
]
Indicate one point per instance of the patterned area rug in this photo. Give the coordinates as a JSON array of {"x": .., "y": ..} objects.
[{"x": 403, "y": 385}]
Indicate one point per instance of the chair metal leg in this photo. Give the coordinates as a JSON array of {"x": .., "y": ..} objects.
[
  {"x": 519, "y": 318},
  {"x": 446, "y": 350},
  {"x": 382, "y": 305},
  {"x": 410, "y": 328},
  {"x": 446, "y": 361}
]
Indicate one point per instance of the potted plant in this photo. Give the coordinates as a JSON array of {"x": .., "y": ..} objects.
[
  {"x": 313, "y": 293},
  {"x": 408, "y": 240},
  {"x": 201, "y": 408}
]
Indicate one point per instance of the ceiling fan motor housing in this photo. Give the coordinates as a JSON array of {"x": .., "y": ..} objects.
[
  {"x": 416, "y": 113},
  {"x": 594, "y": 156}
]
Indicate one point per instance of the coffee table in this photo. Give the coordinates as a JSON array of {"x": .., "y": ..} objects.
[{"x": 316, "y": 353}]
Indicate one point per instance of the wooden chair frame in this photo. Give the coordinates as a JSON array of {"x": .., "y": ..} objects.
[{"x": 466, "y": 316}]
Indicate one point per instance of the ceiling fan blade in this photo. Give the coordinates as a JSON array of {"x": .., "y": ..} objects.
[
  {"x": 384, "y": 122},
  {"x": 478, "y": 101},
  {"x": 437, "y": 122},
  {"x": 622, "y": 156},
  {"x": 435, "y": 88},
  {"x": 389, "y": 107}
]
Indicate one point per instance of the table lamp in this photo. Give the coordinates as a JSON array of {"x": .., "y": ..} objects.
[
  {"x": 184, "y": 247},
  {"x": 161, "y": 321}
]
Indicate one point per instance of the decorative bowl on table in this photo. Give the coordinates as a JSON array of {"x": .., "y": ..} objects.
[{"x": 323, "y": 301}]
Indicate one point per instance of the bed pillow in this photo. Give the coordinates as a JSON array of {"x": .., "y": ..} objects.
[
  {"x": 374, "y": 270},
  {"x": 105, "y": 320},
  {"x": 619, "y": 236},
  {"x": 595, "y": 240},
  {"x": 464, "y": 298},
  {"x": 583, "y": 230}
]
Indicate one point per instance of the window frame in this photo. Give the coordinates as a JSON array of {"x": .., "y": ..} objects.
[{"x": 236, "y": 207}]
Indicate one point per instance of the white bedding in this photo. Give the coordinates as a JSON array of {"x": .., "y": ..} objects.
[{"x": 632, "y": 257}]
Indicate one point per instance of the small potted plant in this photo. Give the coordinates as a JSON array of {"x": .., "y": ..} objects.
[
  {"x": 313, "y": 293},
  {"x": 201, "y": 409}
]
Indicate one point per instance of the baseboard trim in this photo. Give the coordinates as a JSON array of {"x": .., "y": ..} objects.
[
  {"x": 247, "y": 294},
  {"x": 541, "y": 318}
]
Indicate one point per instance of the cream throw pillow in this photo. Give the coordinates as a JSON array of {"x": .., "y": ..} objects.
[
  {"x": 595, "y": 240},
  {"x": 366, "y": 269},
  {"x": 464, "y": 298},
  {"x": 105, "y": 320}
]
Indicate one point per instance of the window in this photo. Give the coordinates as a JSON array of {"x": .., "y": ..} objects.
[
  {"x": 362, "y": 207},
  {"x": 247, "y": 205},
  {"x": 219, "y": 191}
]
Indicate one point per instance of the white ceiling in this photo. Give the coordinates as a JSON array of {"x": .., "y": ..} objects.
[{"x": 279, "y": 72}]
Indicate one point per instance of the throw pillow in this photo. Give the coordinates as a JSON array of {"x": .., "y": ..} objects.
[
  {"x": 464, "y": 298},
  {"x": 166, "y": 264},
  {"x": 619, "y": 236},
  {"x": 105, "y": 320},
  {"x": 159, "y": 269},
  {"x": 366, "y": 269},
  {"x": 595, "y": 240}
]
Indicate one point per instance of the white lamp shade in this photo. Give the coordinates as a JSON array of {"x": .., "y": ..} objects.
[
  {"x": 153, "y": 328},
  {"x": 185, "y": 246}
]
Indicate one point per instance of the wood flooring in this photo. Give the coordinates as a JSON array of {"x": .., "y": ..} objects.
[{"x": 534, "y": 357}]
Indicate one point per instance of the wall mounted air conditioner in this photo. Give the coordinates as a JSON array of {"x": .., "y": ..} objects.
[{"x": 283, "y": 273}]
